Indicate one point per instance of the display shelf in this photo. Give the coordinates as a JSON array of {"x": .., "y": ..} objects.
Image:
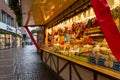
[
  {"x": 93, "y": 30},
  {"x": 95, "y": 33},
  {"x": 81, "y": 58}
]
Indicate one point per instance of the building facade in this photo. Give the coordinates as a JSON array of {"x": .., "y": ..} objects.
[{"x": 9, "y": 34}]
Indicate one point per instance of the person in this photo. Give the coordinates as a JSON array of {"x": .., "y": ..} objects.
[{"x": 22, "y": 44}]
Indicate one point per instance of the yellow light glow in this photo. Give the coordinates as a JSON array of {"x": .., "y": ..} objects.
[{"x": 49, "y": 31}]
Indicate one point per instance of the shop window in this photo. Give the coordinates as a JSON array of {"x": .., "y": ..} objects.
[
  {"x": 7, "y": 41},
  {"x": 2, "y": 41}
]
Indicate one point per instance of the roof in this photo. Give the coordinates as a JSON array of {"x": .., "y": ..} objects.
[{"x": 40, "y": 12}]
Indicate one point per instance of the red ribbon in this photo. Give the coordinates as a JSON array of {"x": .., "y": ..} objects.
[
  {"x": 108, "y": 26},
  {"x": 31, "y": 36}
]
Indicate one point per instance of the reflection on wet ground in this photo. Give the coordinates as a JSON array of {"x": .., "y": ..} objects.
[{"x": 23, "y": 64}]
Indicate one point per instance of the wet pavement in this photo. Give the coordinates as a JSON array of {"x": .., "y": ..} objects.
[{"x": 23, "y": 64}]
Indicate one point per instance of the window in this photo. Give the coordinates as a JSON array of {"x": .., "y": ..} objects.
[
  {"x": 4, "y": 17},
  {"x": 12, "y": 22},
  {"x": 6, "y": 1},
  {"x": 7, "y": 19}
]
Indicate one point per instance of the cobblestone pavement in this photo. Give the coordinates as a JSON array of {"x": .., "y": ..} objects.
[{"x": 23, "y": 64}]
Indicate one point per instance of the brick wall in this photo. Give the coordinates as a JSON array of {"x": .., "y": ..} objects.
[{"x": 5, "y": 7}]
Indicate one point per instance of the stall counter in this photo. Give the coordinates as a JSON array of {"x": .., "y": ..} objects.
[{"x": 99, "y": 72}]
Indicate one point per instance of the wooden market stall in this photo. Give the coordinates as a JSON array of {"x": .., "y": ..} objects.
[{"x": 75, "y": 46}]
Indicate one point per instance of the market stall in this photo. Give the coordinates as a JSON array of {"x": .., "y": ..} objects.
[{"x": 76, "y": 48}]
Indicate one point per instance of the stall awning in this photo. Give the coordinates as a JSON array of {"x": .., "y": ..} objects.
[{"x": 43, "y": 11}]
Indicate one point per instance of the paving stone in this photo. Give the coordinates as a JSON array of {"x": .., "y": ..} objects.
[
  {"x": 8, "y": 78},
  {"x": 6, "y": 62},
  {"x": 6, "y": 70},
  {"x": 23, "y": 64},
  {"x": 36, "y": 76}
]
